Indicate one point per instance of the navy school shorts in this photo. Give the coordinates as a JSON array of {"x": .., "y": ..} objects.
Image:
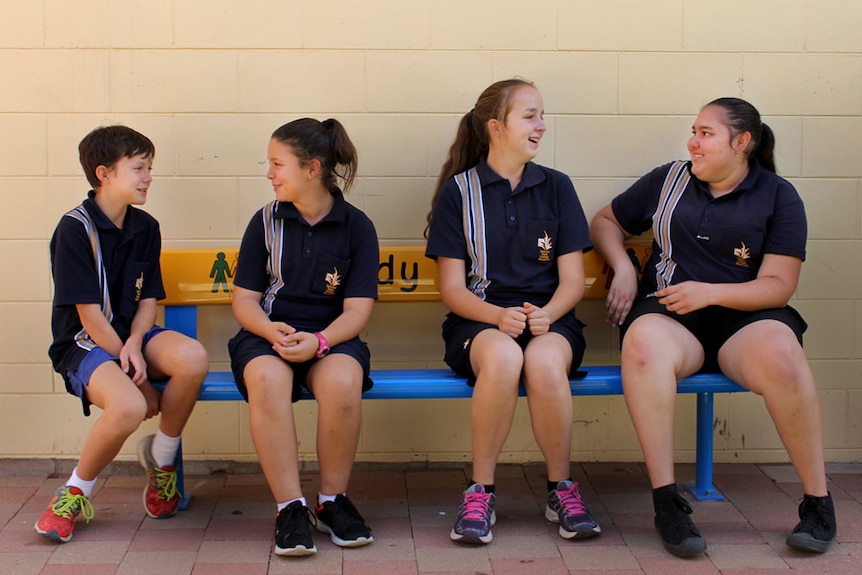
[
  {"x": 714, "y": 325},
  {"x": 458, "y": 334},
  {"x": 246, "y": 346}
]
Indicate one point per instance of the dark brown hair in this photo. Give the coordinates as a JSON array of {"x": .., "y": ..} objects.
[
  {"x": 105, "y": 146},
  {"x": 740, "y": 116},
  {"x": 328, "y": 143}
]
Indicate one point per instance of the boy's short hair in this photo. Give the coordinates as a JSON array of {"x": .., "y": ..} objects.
[{"x": 107, "y": 145}]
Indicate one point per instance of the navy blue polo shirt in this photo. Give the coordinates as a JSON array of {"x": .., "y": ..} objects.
[
  {"x": 131, "y": 262},
  {"x": 715, "y": 240},
  {"x": 305, "y": 272},
  {"x": 513, "y": 237}
]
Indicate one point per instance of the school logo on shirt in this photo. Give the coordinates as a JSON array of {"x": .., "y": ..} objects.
[
  {"x": 139, "y": 285},
  {"x": 742, "y": 255},
  {"x": 545, "y": 246},
  {"x": 333, "y": 280}
]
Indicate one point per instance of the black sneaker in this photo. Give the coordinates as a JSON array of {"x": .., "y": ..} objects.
[
  {"x": 817, "y": 526},
  {"x": 292, "y": 532},
  {"x": 342, "y": 521},
  {"x": 677, "y": 530}
]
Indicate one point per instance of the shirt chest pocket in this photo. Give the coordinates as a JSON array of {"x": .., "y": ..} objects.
[
  {"x": 330, "y": 275},
  {"x": 742, "y": 247},
  {"x": 541, "y": 241},
  {"x": 131, "y": 290}
]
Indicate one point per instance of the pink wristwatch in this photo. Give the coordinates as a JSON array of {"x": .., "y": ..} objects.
[{"x": 323, "y": 348}]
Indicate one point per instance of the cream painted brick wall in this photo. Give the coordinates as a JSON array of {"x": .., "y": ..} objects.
[
  {"x": 109, "y": 24},
  {"x": 193, "y": 81},
  {"x": 51, "y": 81},
  {"x": 620, "y": 25},
  {"x": 644, "y": 88},
  {"x": 622, "y": 81},
  {"x": 806, "y": 84},
  {"x": 742, "y": 26},
  {"x": 239, "y": 23},
  {"x": 25, "y": 154},
  {"x": 368, "y": 24},
  {"x": 459, "y": 25}
]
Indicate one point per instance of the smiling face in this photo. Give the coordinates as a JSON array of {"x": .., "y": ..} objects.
[
  {"x": 286, "y": 173},
  {"x": 716, "y": 155},
  {"x": 128, "y": 181},
  {"x": 524, "y": 127}
]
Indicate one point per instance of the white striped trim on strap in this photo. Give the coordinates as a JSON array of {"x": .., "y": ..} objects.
[
  {"x": 82, "y": 338},
  {"x": 473, "y": 215},
  {"x": 671, "y": 192},
  {"x": 274, "y": 238}
]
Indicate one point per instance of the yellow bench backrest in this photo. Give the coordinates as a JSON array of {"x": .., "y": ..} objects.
[{"x": 205, "y": 276}]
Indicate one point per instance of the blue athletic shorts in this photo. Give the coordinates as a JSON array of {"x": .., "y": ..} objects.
[{"x": 78, "y": 379}]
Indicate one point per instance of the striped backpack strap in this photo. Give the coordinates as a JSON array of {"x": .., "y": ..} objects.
[
  {"x": 671, "y": 192},
  {"x": 473, "y": 216},
  {"x": 273, "y": 232},
  {"x": 80, "y": 213}
]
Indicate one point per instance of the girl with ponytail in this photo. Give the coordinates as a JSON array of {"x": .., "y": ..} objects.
[
  {"x": 304, "y": 287},
  {"x": 729, "y": 242},
  {"x": 508, "y": 236}
]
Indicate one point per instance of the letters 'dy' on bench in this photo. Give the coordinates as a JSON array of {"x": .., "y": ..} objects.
[{"x": 194, "y": 277}]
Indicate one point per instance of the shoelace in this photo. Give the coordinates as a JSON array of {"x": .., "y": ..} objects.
[
  {"x": 812, "y": 516},
  {"x": 295, "y": 515},
  {"x": 475, "y": 506},
  {"x": 571, "y": 502},
  {"x": 681, "y": 524},
  {"x": 165, "y": 483},
  {"x": 69, "y": 504}
]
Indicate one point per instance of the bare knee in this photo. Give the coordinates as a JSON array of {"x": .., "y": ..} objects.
[
  {"x": 191, "y": 361},
  {"x": 127, "y": 412}
]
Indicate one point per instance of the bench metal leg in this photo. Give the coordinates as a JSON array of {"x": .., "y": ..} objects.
[
  {"x": 702, "y": 487},
  {"x": 185, "y": 496}
]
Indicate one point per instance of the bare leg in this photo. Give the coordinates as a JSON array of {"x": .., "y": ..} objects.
[
  {"x": 497, "y": 362},
  {"x": 185, "y": 361},
  {"x": 124, "y": 408},
  {"x": 779, "y": 371},
  {"x": 657, "y": 351},
  {"x": 269, "y": 381},
  {"x": 547, "y": 360},
  {"x": 336, "y": 382}
]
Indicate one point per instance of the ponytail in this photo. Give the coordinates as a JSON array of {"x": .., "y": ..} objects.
[
  {"x": 764, "y": 150},
  {"x": 471, "y": 138},
  {"x": 740, "y": 116},
  {"x": 328, "y": 143}
]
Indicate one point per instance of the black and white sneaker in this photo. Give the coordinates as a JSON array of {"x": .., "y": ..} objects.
[
  {"x": 292, "y": 531},
  {"x": 342, "y": 521},
  {"x": 817, "y": 526}
]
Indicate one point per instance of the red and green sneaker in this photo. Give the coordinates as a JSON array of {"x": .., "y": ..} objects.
[
  {"x": 58, "y": 521},
  {"x": 161, "y": 496}
]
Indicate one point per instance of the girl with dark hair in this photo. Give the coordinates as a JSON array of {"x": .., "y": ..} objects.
[
  {"x": 508, "y": 236},
  {"x": 729, "y": 242},
  {"x": 304, "y": 287}
]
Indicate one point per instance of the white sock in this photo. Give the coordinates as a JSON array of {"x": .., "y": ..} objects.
[
  {"x": 284, "y": 504},
  {"x": 321, "y": 498},
  {"x": 85, "y": 486},
  {"x": 164, "y": 449}
]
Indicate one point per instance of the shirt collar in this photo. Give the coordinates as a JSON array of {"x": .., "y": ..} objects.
[
  {"x": 131, "y": 224},
  {"x": 338, "y": 213},
  {"x": 754, "y": 172},
  {"x": 533, "y": 175}
]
